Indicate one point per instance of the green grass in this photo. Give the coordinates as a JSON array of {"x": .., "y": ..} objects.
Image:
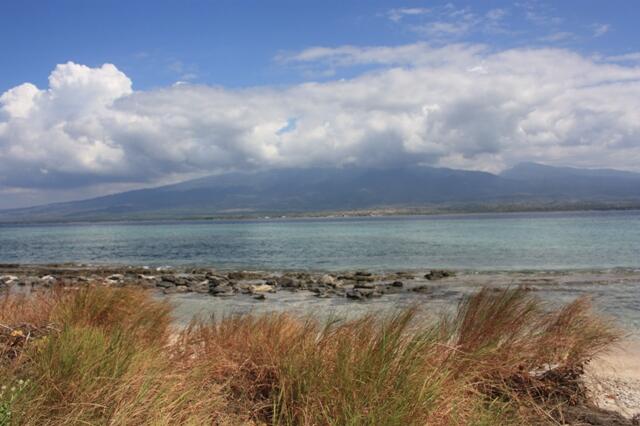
[{"x": 108, "y": 357}]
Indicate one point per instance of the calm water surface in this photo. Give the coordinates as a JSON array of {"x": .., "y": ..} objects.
[{"x": 542, "y": 241}]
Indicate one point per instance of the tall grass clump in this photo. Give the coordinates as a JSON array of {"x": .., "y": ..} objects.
[
  {"x": 102, "y": 360},
  {"x": 502, "y": 359},
  {"x": 110, "y": 356}
]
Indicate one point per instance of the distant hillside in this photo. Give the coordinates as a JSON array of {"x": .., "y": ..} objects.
[
  {"x": 574, "y": 183},
  {"x": 317, "y": 190}
]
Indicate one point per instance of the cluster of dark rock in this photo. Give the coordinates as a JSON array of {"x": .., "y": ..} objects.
[{"x": 357, "y": 285}]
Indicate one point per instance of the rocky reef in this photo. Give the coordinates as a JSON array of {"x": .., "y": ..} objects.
[{"x": 354, "y": 285}]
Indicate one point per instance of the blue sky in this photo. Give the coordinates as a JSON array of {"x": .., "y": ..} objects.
[
  {"x": 99, "y": 97},
  {"x": 234, "y": 43}
]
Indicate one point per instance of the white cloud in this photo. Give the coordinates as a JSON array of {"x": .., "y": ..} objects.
[
  {"x": 448, "y": 22},
  {"x": 396, "y": 15},
  {"x": 559, "y": 36},
  {"x": 627, "y": 57},
  {"x": 600, "y": 29},
  {"x": 446, "y": 29},
  {"x": 457, "y": 105},
  {"x": 416, "y": 54}
]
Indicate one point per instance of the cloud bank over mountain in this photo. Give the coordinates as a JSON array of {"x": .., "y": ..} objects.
[{"x": 457, "y": 105}]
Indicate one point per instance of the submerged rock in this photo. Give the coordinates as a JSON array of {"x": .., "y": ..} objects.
[
  {"x": 421, "y": 289},
  {"x": 243, "y": 275},
  {"x": 362, "y": 293},
  {"x": 438, "y": 274},
  {"x": 221, "y": 290}
]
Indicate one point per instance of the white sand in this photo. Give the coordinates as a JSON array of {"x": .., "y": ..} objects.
[{"x": 614, "y": 379}]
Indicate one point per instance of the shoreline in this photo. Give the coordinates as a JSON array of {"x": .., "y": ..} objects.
[
  {"x": 330, "y": 215},
  {"x": 70, "y": 274},
  {"x": 185, "y": 267},
  {"x": 218, "y": 291}
]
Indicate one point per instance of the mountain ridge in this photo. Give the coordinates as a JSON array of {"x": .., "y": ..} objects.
[{"x": 301, "y": 191}]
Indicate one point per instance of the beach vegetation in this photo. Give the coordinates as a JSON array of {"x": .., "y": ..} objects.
[{"x": 113, "y": 356}]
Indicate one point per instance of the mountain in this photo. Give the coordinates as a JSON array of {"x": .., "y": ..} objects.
[
  {"x": 584, "y": 184},
  {"x": 341, "y": 189}
]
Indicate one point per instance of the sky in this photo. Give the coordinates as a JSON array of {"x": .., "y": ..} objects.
[{"x": 99, "y": 97}]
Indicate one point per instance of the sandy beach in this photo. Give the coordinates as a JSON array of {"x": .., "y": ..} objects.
[{"x": 614, "y": 379}]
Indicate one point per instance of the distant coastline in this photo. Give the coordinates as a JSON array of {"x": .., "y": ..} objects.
[{"x": 434, "y": 210}]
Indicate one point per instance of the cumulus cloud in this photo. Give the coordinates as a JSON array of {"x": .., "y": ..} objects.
[{"x": 460, "y": 106}]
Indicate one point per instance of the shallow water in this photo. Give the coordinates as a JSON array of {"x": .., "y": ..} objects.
[
  {"x": 571, "y": 244},
  {"x": 538, "y": 241},
  {"x": 615, "y": 294}
]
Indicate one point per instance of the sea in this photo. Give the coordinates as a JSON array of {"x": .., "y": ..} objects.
[{"x": 595, "y": 252}]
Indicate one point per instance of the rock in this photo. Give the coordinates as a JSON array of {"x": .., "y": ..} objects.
[
  {"x": 362, "y": 293},
  {"x": 261, "y": 288},
  {"x": 8, "y": 279},
  {"x": 48, "y": 280},
  {"x": 200, "y": 287},
  {"x": 397, "y": 284},
  {"x": 146, "y": 277},
  {"x": 438, "y": 274},
  {"x": 243, "y": 275},
  {"x": 354, "y": 294},
  {"x": 359, "y": 278},
  {"x": 168, "y": 278},
  {"x": 288, "y": 282},
  {"x": 260, "y": 297},
  {"x": 362, "y": 274},
  {"x": 183, "y": 279},
  {"x": 421, "y": 289},
  {"x": 587, "y": 415},
  {"x": 364, "y": 284},
  {"x": 115, "y": 277},
  {"x": 182, "y": 289},
  {"x": 327, "y": 280},
  {"x": 216, "y": 281},
  {"x": 221, "y": 290},
  {"x": 165, "y": 284}
]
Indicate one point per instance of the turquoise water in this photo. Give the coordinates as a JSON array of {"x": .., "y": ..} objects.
[{"x": 538, "y": 241}]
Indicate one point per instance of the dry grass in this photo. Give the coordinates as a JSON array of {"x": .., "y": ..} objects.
[{"x": 105, "y": 356}]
